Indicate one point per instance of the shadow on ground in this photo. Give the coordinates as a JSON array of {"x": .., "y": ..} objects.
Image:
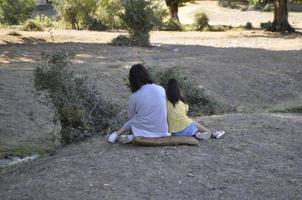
[{"x": 259, "y": 158}]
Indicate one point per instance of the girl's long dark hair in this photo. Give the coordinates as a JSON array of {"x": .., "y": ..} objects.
[
  {"x": 174, "y": 92},
  {"x": 139, "y": 76}
]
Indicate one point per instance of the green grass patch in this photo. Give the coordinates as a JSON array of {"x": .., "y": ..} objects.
[
  {"x": 288, "y": 107},
  {"x": 22, "y": 151}
]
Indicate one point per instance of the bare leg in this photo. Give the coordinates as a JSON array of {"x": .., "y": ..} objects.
[
  {"x": 201, "y": 128},
  {"x": 112, "y": 138},
  {"x": 122, "y": 131}
]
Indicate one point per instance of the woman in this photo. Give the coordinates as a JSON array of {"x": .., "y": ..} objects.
[{"x": 147, "y": 110}]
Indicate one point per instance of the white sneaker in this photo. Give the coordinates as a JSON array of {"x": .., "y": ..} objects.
[
  {"x": 203, "y": 136},
  {"x": 125, "y": 139},
  {"x": 218, "y": 134},
  {"x": 112, "y": 138}
]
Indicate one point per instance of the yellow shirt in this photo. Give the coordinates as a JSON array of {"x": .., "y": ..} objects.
[{"x": 177, "y": 116}]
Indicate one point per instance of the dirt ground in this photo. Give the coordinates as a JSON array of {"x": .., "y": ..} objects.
[
  {"x": 219, "y": 15},
  {"x": 259, "y": 158}
]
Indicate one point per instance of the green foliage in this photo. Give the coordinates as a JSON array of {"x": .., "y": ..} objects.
[
  {"x": 22, "y": 151},
  {"x": 79, "y": 110},
  {"x": 79, "y": 13},
  {"x": 287, "y": 107},
  {"x": 248, "y": 26},
  {"x": 258, "y": 4},
  {"x": 139, "y": 19},
  {"x": 268, "y": 7},
  {"x": 31, "y": 25},
  {"x": 96, "y": 25},
  {"x": 295, "y": 6},
  {"x": 109, "y": 12},
  {"x": 266, "y": 25},
  {"x": 44, "y": 21},
  {"x": 234, "y": 4},
  {"x": 172, "y": 25},
  {"x": 201, "y": 21},
  {"x": 122, "y": 40},
  {"x": 179, "y": 2},
  {"x": 14, "y": 12},
  {"x": 160, "y": 14}
]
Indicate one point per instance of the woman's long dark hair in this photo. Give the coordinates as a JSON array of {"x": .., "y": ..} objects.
[
  {"x": 174, "y": 92},
  {"x": 139, "y": 76}
]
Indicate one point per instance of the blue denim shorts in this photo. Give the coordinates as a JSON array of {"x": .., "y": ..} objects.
[{"x": 189, "y": 131}]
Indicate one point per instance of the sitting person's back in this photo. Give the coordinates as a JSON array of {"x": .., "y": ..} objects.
[
  {"x": 177, "y": 116},
  {"x": 179, "y": 122},
  {"x": 147, "y": 111}
]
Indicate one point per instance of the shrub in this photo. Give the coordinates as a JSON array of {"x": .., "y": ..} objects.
[
  {"x": 14, "y": 33},
  {"x": 172, "y": 25},
  {"x": 201, "y": 103},
  {"x": 14, "y": 12},
  {"x": 122, "y": 40},
  {"x": 76, "y": 13},
  {"x": 268, "y": 7},
  {"x": 201, "y": 21},
  {"x": 218, "y": 28},
  {"x": 248, "y": 26},
  {"x": 224, "y": 3},
  {"x": 139, "y": 19},
  {"x": 234, "y": 4},
  {"x": 79, "y": 110},
  {"x": 244, "y": 8},
  {"x": 160, "y": 13},
  {"x": 287, "y": 107},
  {"x": 266, "y": 25},
  {"x": 31, "y": 25},
  {"x": 109, "y": 12},
  {"x": 44, "y": 21},
  {"x": 96, "y": 25}
]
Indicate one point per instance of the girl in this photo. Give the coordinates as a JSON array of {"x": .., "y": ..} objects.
[
  {"x": 147, "y": 110},
  {"x": 179, "y": 122}
]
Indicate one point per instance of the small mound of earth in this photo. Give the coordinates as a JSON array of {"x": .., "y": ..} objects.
[{"x": 258, "y": 158}]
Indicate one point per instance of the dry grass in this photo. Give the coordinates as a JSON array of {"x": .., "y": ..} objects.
[{"x": 288, "y": 107}]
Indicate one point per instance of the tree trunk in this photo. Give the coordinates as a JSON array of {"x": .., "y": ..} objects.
[
  {"x": 173, "y": 9},
  {"x": 280, "y": 23}
]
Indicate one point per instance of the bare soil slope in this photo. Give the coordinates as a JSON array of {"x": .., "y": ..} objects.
[{"x": 260, "y": 157}]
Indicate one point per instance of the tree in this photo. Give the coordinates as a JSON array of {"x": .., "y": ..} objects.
[
  {"x": 173, "y": 6},
  {"x": 78, "y": 13},
  {"x": 139, "y": 19},
  {"x": 109, "y": 12},
  {"x": 280, "y": 22},
  {"x": 15, "y": 11}
]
